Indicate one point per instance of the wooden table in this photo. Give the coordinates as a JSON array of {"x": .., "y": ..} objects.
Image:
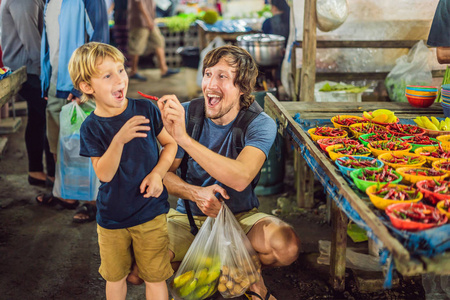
[{"x": 283, "y": 113}]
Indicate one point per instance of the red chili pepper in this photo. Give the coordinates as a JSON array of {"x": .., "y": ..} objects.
[{"x": 148, "y": 96}]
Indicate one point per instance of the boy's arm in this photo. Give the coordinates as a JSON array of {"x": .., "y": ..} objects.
[{"x": 106, "y": 166}]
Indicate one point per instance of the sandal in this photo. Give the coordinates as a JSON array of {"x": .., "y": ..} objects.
[
  {"x": 68, "y": 205},
  {"x": 35, "y": 181},
  {"x": 249, "y": 295},
  {"x": 47, "y": 199},
  {"x": 88, "y": 210}
]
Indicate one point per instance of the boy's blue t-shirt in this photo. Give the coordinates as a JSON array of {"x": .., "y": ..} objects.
[
  {"x": 120, "y": 203},
  {"x": 260, "y": 133}
]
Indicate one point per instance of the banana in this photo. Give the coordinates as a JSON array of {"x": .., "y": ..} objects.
[
  {"x": 428, "y": 124},
  {"x": 201, "y": 276},
  {"x": 418, "y": 121},
  {"x": 181, "y": 280},
  {"x": 213, "y": 276},
  {"x": 435, "y": 121},
  {"x": 188, "y": 288},
  {"x": 201, "y": 292},
  {"x": 367, "y": 115},
  {"x": 378, "y": 112}
]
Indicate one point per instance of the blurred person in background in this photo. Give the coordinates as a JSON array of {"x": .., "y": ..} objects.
[
  {"x": 22, "y": 22},
  {"x": 279, "y": 22},
  {"x": 438, "y": 36}
]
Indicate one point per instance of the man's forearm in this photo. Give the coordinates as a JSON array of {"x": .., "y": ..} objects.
[
  {"x": 443, "y": 55},
  {"x": 178, "y": 187}
]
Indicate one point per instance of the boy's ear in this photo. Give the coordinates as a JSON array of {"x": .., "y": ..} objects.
[{"x": 86, "y": 88}]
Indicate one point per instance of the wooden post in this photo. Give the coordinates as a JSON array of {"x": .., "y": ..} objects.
[
  {"x": 304, "y": 181},
  {"x": 339, "y": 223},
  {"x": 309, "y": 52}
]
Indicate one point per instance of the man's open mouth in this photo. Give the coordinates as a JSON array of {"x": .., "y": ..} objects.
[{"x": 213, "y": 99}]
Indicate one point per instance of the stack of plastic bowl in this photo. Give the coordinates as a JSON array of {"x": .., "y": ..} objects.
[
  {"x": 445, "y": 96},
  {"x": 421, "y": 95}
]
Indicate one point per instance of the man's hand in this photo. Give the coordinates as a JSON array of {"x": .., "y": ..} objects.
[
  {"x": 72, "y": 97},
  {"x": 173, "y": 116},
  {"x": 152, "y": 185},
  {"x": 207, "y": 201},
  {"x": 132, "y": 129}
]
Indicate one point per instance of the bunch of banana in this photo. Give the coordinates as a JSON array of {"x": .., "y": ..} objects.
[
  {"x": 432, "y": 123},
  {"x": 197, "y": 284},
  {"x": 381, "y": 116},
  {"x": 234, "y": 281}
]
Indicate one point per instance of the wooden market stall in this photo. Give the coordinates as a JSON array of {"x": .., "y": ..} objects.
[{"x": 283, "y": 113}]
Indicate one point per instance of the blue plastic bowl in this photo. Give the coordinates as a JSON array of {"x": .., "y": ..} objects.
[
  {"x": 347, "y": 171},
  {"x": 446, "y": 109}
]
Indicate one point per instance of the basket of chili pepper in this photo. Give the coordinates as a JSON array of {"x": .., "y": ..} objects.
[
  {"x": 359, "y": 129},
  {"x": 434, "y": 190},
  {"x": 415, "y": 216},
  {"x": 445, "y": 141},
  {"x": 394, "y": 145},
  {"x": 442, "y": 164},
  {"x": 418, "y": 141},
  {"x": 364, "y": 178},
  {"x": 383, "y": 195},
  {"x": 318, "y": 133},
  {"x": 432, "y": 153},
  {"x": 324, "y": 143},
  {"x": 444, "y": 207},
  {"x": 340, "y": 150},
  {"x": 413, "y": 174},
  {"x": 402, "y": 160},
  {"x": 373, "y": 137},
  {"x": 344, "y": 121},
  {"x": 349, "y": 164},
  {"x": 405, "y": 129}
]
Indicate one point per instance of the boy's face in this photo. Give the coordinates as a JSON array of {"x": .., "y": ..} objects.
[
  {"x": 109, "y": 87},
  {"x": 221, "y": 95}
]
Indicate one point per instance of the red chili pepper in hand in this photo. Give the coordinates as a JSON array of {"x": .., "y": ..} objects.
[{"x": 148, "y": 96}]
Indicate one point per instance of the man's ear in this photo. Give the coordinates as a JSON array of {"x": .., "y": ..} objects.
[{"x": 86, "y": 88}]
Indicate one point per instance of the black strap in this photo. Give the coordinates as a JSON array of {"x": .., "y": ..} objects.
[{"x": 196, "y": 116}]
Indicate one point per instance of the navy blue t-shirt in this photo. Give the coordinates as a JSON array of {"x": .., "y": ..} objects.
[
  {"x": 440, "y": 28},
  {"x": 120, "y": 203},
  {"x": 260, "y": 134}
]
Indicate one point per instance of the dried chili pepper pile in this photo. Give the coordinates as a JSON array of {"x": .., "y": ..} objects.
[
  {"x": 380, "y": 136},
  {"x": 438, "y": 152},
  {"x": 396, "y": 193},
  {"x": 351, "y": 150},
  {"x": 369, "y": 128},
  {"x": 384, "y": 174},
  {"x": 418, "y": 212},
  {"x": 331, "y": 141},
  {"x": 420, "y": 140},
  {"x": 355, "y": 163},
  {"x": 445, "y": 165},
  {"x": 347, "y": 121},
  {"x": 425, "y": 172},
  {"x": 446, "y": 206},
  {"x": 405, "y": 129},
  {"x": 329, "y": 131},
  {"x": 403, "y": 159},
  {"x": 391, "y": 145},
  {"x": 434, "y": 186}
]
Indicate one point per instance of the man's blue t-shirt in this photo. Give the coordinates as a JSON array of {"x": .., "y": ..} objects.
[
  {"x": 120, "y": 203},
  {"x": 260, "y": 134},
  {"x": 439, "y": 32}
]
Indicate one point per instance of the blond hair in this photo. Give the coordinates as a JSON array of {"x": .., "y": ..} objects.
[{"x": 84, "y": 61}]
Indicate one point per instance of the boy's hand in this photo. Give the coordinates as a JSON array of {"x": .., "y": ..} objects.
[
  {"x": 152, "y": 185},
  {"x": 132, "y": 129}
]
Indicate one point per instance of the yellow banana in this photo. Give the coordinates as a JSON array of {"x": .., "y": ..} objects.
[
  {"x": 428, "y": 124},
  {"x": 188, "y": 288},
  {"x": 201, "y": 276},
  {"x": 213, "y": 276},
  {"x": 378, "y": 112},
  {"x": 201, "y": 292},
  {"x": 418, "y": 121},
  {"x": 435, "y": 122},
  {"x": 181, "y": 280}
]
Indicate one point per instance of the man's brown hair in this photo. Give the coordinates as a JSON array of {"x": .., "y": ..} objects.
[{"x": 245, "y": 68}]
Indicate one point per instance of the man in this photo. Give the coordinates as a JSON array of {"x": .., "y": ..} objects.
[
  {"x": 144, "y": 35},
  {"x": 229, "y": 75},
  {"x": 439, "y": 36}
]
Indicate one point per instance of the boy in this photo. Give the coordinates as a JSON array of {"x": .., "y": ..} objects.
[{"x": 120, "y": 137}]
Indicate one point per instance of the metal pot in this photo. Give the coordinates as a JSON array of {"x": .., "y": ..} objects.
[{"x": 266, "y": 49}]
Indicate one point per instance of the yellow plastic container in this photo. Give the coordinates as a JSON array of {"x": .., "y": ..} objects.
[
  {"x": 358, "y": 134},
  {"x": 378, "y": 152},
  {"x": 315, "y": 137},
  {"x": 334, "y": 155},
  {"x": 388, "y": 156},
  {"x": 411, "y": 178},
  {"x": 382, "y": 203},
  {"x": 440, "y": 206},
  {"x": 429, "y": 159},
  {"x": 436, "y": 164},
  {"x": 445, "y": 141},
  {"x": 333, "y": 120}
]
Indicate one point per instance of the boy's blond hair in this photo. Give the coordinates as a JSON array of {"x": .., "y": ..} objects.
[{"x": 84, "y": 61}]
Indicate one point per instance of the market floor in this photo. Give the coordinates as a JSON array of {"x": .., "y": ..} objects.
[{"x": 43, "y": 255}]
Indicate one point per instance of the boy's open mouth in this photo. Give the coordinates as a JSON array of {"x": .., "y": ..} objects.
[
  {"x": 118, "y": 94},
  {"x": 213, "y": 99}
]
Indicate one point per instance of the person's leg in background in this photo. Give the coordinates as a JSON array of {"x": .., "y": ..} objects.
[
  {"x": 137, "y": 43},
  {"x": 156, "y": 41}
]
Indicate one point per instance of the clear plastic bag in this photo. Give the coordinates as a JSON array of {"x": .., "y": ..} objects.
[
  {"x": 220, "y": 258},
  {"x": 411, "y": 69},
  {"x": 74, "y": 177},
  {"x": 331, "y": 14}
]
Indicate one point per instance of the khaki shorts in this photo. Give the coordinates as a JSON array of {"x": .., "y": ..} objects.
[
  {"x": 143, "y": 41},
  {"x": 148, "y": 243},
  {"x": 181, "y": 237},
  {"x": 54, "y": 105}
]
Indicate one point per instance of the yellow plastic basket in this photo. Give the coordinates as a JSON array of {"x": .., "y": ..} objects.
[{"x": 382, "y": 203}]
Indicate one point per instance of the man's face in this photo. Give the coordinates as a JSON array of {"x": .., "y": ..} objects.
[
  {"x": 110, "y": 86},
  {"x": 221, "y": 95}
]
